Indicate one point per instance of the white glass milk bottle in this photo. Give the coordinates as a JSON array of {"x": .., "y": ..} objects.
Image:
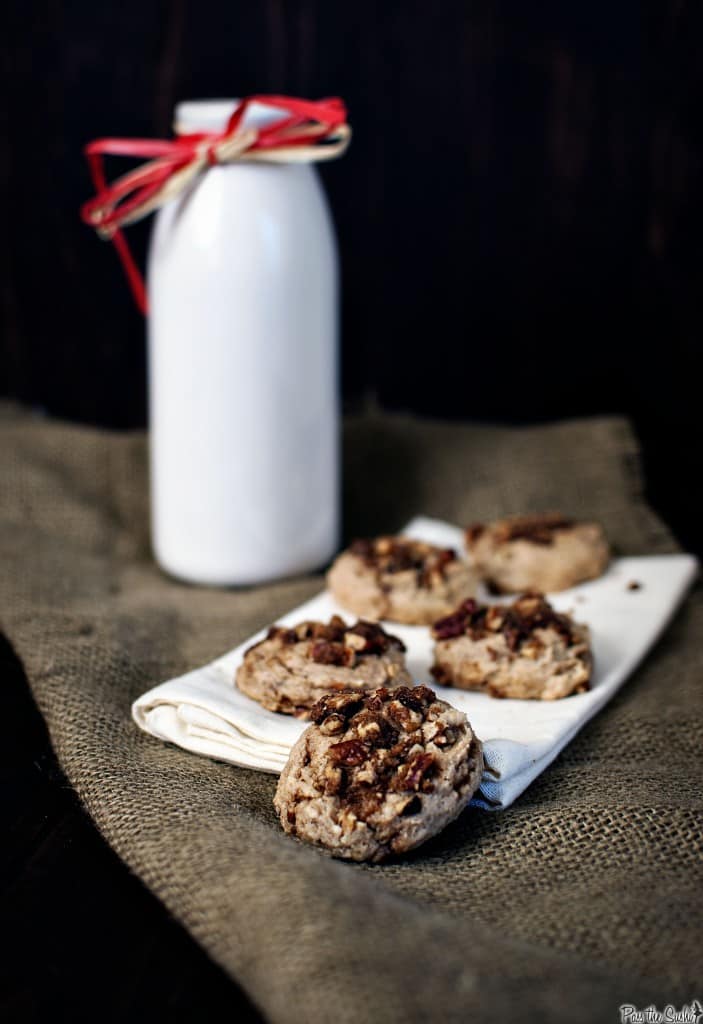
[{"x": 243, "y": 392}]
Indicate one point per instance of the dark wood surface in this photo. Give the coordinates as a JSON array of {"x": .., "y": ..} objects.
[
  {"x": 519, "y": 215},
  {"x": 521, "y": 230}
]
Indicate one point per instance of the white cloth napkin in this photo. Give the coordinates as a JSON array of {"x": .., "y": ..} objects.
[{"x": 205, "y": 713}]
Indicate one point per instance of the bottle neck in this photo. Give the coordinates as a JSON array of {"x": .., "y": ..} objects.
[{"x": 193, "y": 116}]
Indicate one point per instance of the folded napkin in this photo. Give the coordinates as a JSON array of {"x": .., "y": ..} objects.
[{"x": 205, "y": 713}]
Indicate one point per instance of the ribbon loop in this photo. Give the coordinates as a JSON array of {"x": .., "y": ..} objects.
[{"x": 306, "y": 131}]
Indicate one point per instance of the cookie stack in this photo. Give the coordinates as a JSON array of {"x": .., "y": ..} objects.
[{"x": 385, "y": 764}]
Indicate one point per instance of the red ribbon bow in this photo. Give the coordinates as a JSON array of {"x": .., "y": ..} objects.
[{"x": 306, "y": 130}]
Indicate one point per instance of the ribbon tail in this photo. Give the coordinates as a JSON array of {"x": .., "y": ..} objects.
[{"x": 135, "y": 278}]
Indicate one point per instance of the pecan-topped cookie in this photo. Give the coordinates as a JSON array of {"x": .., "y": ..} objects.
[
  {"x": 522, "y": 650},
  {"x": 400, "y": 579},
  {"x": 544, "y": 553},
  {"x": 292, "y": 668},
  {"x": 377, "y": 774}
]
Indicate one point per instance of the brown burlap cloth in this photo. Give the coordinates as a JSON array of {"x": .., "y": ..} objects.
[{"x": 583, "y": 895}]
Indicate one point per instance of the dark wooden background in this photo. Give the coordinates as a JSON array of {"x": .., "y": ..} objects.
[
  {"x": 519, "y": 215},
  {"x": 520, "y": 224}
]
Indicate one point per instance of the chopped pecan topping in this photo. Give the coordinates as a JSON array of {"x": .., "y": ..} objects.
[
  {"x": 374, "y": 637},
  {"x": 286, "y": 636},
  {"x": 336, "y": 643},
  {"x": 415, "y": 697},
  {"x": 342, "y": 705},
  {"x": 435, "y": 567},
  {"x": 332, "y": 631},
  {"x": 517, "y": 622},
  {"x": 414, "y": 774},
  {"x": 374, "y": 700},
  {"x": 332, "y": 724},
  {"x": 374, "y": 727},
  {"x": 327, "y": 652},
  {"x": 528, "y": 614},
  {"x": 349, "y": 753},
  {"x": 381, "y": 748},
  {"x": 333, "y": 780},
  {"x": 390, "y": 555},
  {"x": 445, "y": 737},
  {"x": 538, "y": 529},
  {"x": 459, "y": 621},
  {"x": 406, "y": 717}
]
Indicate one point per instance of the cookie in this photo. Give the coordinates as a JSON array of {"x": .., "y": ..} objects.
[
  {"x": 292, "y": 668},
  {"x": 544, "y": 553},
  {"x": 524, "y": 650},
  {"x": 400, "y": 579},
  {"x": 376, "y": 774}
]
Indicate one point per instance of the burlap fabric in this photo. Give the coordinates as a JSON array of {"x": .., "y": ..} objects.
[{"x": 583, "y": 895}]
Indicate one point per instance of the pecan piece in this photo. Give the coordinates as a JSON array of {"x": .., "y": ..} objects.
[
  {"x": 349, "y": 753},
  {"x": 413, "y": 774},
  {"x": 332, "y": 724},
  {"x": 434, "y": 569},
  {"x": 407, "y": 717},
  {"x": 457, "y": 623},
  {"x": 415, "y": 697},
  {"x": 374, "y": 728},
  {"x": 529, "y": 613},
  {"x": 329, "y": 652},
  {"x": 332, "y": 630},
  {"x": 538, "y": 529},
  {"x": 333, "y": 780},
  {"x": 445, "y": 736},
  {"x": 375, "y": 701},
  {"x": 344, "y": 704},
  {"x": 370, "y": 638},
  {"x": 286, "y": 636}
]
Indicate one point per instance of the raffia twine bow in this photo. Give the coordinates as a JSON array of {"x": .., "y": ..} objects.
[{"x": 306, "y": 131}]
